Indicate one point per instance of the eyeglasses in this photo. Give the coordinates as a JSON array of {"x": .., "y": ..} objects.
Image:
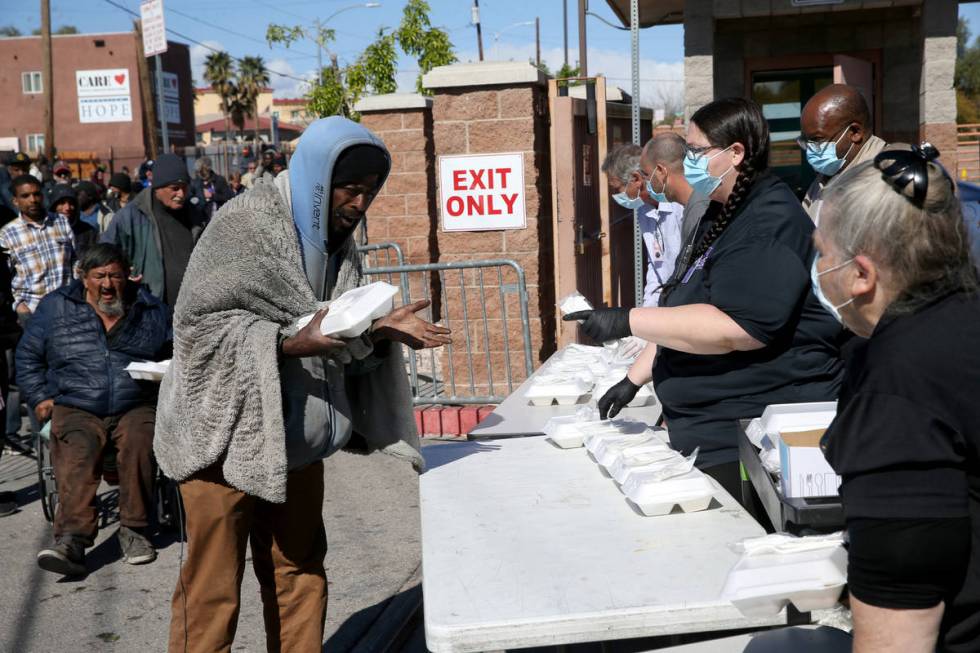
[
  {"x": 814, "y": 146},
  {"x": 694, "y": 153},
  {"x": 910, "y": 167}
]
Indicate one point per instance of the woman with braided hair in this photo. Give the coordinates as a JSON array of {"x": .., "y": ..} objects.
[{"x": 741, "y": 328}]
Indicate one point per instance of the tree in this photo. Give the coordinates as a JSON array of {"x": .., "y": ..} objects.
[
  {"x": 64, "y": 29},
  {"x": 9, "y": 30},
  {"x": 967, "y": 76},
  {"x": 429, "y": 45},
  {"x": 253, "y": 78},
  {"x": 219, "y": 72}
]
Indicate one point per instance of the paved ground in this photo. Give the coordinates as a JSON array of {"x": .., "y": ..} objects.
[{"x": 371, "y": 514}]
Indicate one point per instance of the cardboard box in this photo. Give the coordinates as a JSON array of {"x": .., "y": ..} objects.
[{"x": 804, "y": 470}]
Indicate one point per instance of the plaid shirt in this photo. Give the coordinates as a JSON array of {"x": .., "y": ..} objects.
[{"x": 41, "y": 257}]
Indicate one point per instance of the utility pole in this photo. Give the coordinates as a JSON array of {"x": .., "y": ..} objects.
[
  {"x": 537, "y": 39},
  {"x": 564, "y": 22},
  {"x": 47, "y": 81},
  {"x": 319, "y": 54},
  {"x": 479, "y": 30},
  {"x": 583, "y": 65},
  {"x": 146, "y": 95}
]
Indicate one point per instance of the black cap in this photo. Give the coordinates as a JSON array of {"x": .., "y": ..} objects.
[
  {"x": 60, "y": 192},
  {"x": 169, "y": 169},
  {"x": 359, "y": 161},
  {"x": 88, "y": 187},
  {"x": 19, "y": 159},
  {"x": 121, "y": 181}
]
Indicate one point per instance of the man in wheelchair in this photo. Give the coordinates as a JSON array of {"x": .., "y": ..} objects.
[{"x": 71, "y": 367}]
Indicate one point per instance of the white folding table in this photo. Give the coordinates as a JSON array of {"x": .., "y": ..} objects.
[{"x": 525, "y": 544}]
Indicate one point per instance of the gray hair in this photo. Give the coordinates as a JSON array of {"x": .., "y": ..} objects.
[
  {"x": 202, "y": 163},
  {"x": 622, "y": 161},
  {"x": 924, "y": 252},
  {"x": 667, "y": 149}
]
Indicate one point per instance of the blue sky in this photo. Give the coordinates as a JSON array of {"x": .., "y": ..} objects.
[{"x": 239, "y": 27}]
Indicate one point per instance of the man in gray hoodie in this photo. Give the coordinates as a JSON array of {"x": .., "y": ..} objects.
[{"x": 252, "y": 403}]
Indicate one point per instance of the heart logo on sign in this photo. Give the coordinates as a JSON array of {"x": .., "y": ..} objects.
[{"x": 120, "y": 78}]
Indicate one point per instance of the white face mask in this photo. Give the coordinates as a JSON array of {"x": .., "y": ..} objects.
[{"x": 818, "y": 291}]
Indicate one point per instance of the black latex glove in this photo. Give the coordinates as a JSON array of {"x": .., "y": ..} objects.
[
  {"x": 603, "y": 324},
  {"x": 616, "y": 398}
]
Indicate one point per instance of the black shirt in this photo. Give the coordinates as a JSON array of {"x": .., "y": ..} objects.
[
  {"x": 758, "y": 273},
  {"x": 177, "y": 242},
  {"x": 906, "y": 440}
]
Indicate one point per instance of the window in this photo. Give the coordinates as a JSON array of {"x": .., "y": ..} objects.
[
  {"x": 31, "y": 82},
  {"x": 275, "y": 114},
  {"x": 35, "y": 143},
  {"x": 294, "y": 115}
]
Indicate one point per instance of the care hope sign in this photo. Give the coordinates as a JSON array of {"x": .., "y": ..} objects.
[{"x": 482, "y": 192}]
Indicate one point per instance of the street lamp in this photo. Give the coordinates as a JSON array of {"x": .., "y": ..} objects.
[
  {"x": 496, "y": 35},
  {"x": 319, "y": 33}
]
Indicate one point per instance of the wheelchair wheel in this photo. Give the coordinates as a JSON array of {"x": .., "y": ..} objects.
[{"x": 46, "y": 482}]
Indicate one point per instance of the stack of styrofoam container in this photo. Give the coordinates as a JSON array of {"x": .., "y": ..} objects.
[
  {"x": 570, "y": 432},
  {"x": 809, "y": 572}
]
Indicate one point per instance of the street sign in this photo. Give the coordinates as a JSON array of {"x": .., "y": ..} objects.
[
  {"x": 171, "y": 97},
  {"x": 103, "y": 95},
  {"x": 482, "y": 192},
  {"x": 154, "y": 30}
]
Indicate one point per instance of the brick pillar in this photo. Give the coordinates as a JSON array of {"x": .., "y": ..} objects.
[
  {"x": 937, "y": 97},
  {"x": 404, "y": 211},
  {"x": 496, "y": 108},
  {"x": 699, "y": 57}
]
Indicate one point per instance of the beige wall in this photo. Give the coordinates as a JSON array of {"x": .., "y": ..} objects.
[{"x": 207, "y": 105}]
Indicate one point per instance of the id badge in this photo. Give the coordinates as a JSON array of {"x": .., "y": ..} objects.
[{"x": 698, "y": 265}]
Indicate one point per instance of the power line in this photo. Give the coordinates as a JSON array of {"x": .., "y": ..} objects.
[
  {"x": 203, "y": 45},
  {"x": 232, "y": 32}
]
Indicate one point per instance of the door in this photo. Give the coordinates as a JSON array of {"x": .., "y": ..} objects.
[{"x": 782, "y": 95}]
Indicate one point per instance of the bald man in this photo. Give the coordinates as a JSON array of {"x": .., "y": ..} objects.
[
  {"x": 662, "y": 164},
  {"x": 836, "y": 132}
]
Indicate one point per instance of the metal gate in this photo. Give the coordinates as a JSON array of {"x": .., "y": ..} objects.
[
  {"x": 485, "y": 303},
  {"x": 594, "y": 242}
]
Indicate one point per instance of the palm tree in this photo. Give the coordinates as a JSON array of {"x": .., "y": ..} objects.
[
  {"x": 253, "y": 78},
  {"x": 219, "y": 72},
  {"x": 237, "y": 110}
]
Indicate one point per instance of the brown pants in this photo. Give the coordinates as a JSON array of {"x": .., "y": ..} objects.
[
  {"x": 289, "y": 544},
  {"x": 78, "y": 439}
]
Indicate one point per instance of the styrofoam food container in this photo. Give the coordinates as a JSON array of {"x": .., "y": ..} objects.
[
  {"x": 574, "y": 302},
  {"x": 601, "y": 433},
  {"x": 644, "y": 458},
  {"x": 607, "y": 451},
  {"x": 644, "y": 396},
  {"x": 563, "y": 393},
  {"x": 691, "y": 491},
  {"x": 570, "y": 432},
  {"x": 148, "y": 370},
  {"x": 352, "y": 313},
  {"x": 760, "y": 586}
]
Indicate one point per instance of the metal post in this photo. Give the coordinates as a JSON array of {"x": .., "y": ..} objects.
[
  {"x": 583, "y": 59},
  {"x": 479, "y": 30},
  {"x": 537, "y": 40},
  {"x": 564, "y": 22},
  {"x": 161, "y": 109},
  {"x": 635, "y": 115}
]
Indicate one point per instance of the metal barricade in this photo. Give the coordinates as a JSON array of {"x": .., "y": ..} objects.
[{"x": 486, "y": 360}]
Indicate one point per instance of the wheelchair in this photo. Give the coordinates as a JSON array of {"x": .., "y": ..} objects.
[{"x": 166, "y": 502}]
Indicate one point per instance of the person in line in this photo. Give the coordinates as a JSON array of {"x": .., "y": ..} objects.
[
  {"x": 98, "y": 177},
  {"x": 119, "y": 193},
  {"x": 249, "y": 177},
  {"x": 64, "y": 201},
  {"x": 835, "y": 133},
  {"x": 17, "y": 165},
  {"x": 41, "y": 247},
  {"x": 660, "y": 223},
  {"x": 91, "y": 209},
  {"x": 158, "y": 229},
  {"x": 235, "y": 184},
  {"x": 145, "y": 173},
  {"x": 245, "y": 432},
  {"x": 71, "y": 367},
  {"x": 208, "y": 189},
  {"x": 9, "y": 334},
  {"x": 895, "y": 267},
  {"x": 741, "y": 329},
  {"x": 279, "y": 163},
  {"x": 265, "y": 161}
]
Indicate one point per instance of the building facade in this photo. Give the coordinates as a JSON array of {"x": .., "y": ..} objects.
[{"x": 98, "y": 108}]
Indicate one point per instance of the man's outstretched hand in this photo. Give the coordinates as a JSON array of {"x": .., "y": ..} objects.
[
  {"x": 404, "y": 326},
  {"x": 308, "y": 341}
]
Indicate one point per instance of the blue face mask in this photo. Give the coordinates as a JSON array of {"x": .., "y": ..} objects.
[
  {"x": 818, "y": 291},
  {"x": 627, "y": 202},
  {"x": 823, "y": 158},
  {"x": 696, "y": 173},
  {"x": 661, "y": 197}
]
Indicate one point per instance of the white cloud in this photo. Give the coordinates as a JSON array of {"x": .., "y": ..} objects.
[
  {"x": 198, "y": 54},
  {"x": 657, "y": 79},
  {"x": 287, "y": 87}
]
